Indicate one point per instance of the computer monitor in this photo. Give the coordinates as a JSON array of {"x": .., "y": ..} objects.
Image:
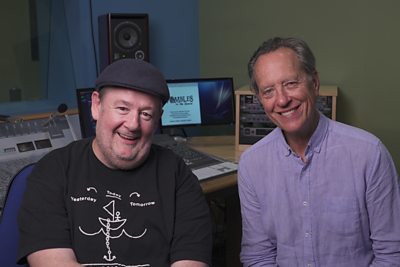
[
  {"x": 202, "y": 101},
  {"x": 84, "y": 98}
]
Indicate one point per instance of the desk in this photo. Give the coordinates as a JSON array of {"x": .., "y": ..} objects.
[
  {"x": 220, "y": 146},
  {"x": 223, "y": 191}
]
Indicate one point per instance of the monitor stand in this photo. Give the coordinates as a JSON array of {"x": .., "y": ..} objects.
[{"x": 175, "y": 131}]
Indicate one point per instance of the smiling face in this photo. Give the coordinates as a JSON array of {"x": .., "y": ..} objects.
[
  {"x": 126, "y": 121},
  {"x": 287, "y": 93}
]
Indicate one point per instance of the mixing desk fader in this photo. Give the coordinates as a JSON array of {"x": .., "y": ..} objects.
[{"x": 25, "y": 142}]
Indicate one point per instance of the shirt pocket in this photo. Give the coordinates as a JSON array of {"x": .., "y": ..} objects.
[{"x": 341, "y": 216}]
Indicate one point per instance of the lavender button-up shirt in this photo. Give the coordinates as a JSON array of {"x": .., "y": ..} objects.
[{"x": 339, "y": 208}]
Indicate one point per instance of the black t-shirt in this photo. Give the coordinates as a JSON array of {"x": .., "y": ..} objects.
[{"x": 150, "y": 216}]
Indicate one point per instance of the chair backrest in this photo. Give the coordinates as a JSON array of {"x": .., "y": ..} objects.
[{"x": 9, "y": 235}]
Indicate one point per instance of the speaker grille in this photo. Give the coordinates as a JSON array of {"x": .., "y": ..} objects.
[
  {"x": 127, "y": 35},
  {"x": 123, "y": 36}
]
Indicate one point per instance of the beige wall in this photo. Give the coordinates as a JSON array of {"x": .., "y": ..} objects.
[
  {"x": 356, "y": 43},
  {"x": 17, "y": 69}
]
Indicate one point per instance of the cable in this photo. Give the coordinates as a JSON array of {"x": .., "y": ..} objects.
[
  {"x": 49, "y": 46},
  {"x": 69, "y": 42},
  {"x": 93, "y": 41}
]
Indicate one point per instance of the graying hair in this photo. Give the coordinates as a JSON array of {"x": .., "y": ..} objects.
[{"x": 300, "y": 47}]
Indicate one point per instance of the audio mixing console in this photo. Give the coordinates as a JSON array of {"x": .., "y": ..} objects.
[{"x": 24, "y": 142}]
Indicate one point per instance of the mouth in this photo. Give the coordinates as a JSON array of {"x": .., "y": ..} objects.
[
  {"x": 129, "y": 137},
  {"x": 288, "y": 113}
]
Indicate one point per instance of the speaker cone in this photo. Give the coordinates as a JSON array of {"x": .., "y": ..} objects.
[{"x": 127, "y": 35}]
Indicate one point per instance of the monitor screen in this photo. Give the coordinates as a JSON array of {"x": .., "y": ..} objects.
[
  {"x": 199, "y": 102},
  {"x": 88, "y": 125}
]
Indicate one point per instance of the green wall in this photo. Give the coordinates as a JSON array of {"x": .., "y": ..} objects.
[{"x": 356, "y": 43}]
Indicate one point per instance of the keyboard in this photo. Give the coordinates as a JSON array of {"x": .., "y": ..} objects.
[
  {"x": 193, "y": 158},
  {"x": 203, "y": 165}
]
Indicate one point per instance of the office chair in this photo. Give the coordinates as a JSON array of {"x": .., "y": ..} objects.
[{"x": 9, "y": 235}]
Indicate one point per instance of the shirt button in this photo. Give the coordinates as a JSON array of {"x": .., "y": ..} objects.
[
  {"x": 307, "y": 235},
  {"x": 309, "y": 265},
  {"x": 305, "y": 203}
]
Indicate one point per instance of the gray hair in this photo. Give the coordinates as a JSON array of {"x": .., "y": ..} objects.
[{"x": 300, "y": 47}]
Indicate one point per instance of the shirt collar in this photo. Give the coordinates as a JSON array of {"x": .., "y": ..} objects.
[
  {"x": 316, "y": 139},
  {"x": 318, "y": 136}
]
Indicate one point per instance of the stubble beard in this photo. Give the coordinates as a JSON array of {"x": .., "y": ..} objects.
[{"x": 115, "y": 160}]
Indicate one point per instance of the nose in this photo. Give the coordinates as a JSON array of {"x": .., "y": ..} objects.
[
  {"x": 282, "y": 97},
  {"x": 132, "y": 121}
]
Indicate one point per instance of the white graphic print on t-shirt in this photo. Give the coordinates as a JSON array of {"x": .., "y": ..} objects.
[{"x": 112, "y": 224}]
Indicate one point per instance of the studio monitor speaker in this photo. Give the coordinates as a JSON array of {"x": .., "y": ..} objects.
[{"x": 123, "y": 36}]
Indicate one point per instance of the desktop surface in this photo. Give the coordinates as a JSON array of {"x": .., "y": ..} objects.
[
  {"x": 203, "y": 165},
  {"x": 220, "y": 146}
]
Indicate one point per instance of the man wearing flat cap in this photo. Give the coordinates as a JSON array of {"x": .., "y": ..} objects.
[{"x": 117, "y": 199}]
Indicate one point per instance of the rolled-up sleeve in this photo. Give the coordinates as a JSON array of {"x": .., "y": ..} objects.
[
  {"x": 383, "y": 203},
  {"x": 258, "y": 249}
]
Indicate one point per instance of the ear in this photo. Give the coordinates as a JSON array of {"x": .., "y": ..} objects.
[
  {"x": 158, "y": 122},
  {"x": 315, "y": 83},
  {"x": 96, "y": 103}
]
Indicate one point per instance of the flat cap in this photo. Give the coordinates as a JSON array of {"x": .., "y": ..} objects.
[{"x": 134, "y": 74}]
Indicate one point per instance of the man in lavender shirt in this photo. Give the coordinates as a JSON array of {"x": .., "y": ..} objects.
[{"x": 313, "y": 192}]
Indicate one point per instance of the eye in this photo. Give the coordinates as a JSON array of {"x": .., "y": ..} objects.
[
  {"x": 291, "y": 84},
  {"x": 267, "y": 92},
  {"x": 122, "y": 109},
  {"x": 146, "y": 115}
]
